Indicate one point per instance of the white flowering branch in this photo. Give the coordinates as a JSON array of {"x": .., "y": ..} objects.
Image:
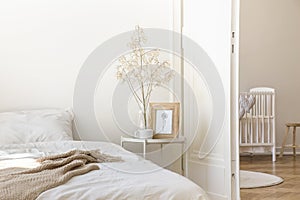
[{"x": 141, "y": 69}]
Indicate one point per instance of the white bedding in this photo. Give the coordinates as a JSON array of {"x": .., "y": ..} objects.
[{"x": 135, "y": 178}]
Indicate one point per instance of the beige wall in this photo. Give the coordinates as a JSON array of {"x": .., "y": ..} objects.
[{"x": 270, "y": 54}]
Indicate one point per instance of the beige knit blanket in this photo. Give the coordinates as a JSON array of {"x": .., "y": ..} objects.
[{"x": 55, "y": 170}]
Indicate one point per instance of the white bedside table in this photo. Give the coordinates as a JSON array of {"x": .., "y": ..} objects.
[{"x": 180, "y": 140}]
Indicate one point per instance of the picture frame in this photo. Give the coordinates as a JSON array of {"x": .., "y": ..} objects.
[{"x": 164, "y": 119}]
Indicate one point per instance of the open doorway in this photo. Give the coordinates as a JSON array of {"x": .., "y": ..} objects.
[{"x": 269, "y": 57}]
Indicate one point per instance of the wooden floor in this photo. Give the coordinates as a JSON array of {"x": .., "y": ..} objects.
[{"x": 286, "y": 167}]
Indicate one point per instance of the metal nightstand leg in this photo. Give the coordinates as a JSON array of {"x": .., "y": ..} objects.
[{"x": 144, "y": 149}]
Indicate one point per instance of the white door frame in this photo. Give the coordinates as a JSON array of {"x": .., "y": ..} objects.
[{"x": 235, "y": 163}]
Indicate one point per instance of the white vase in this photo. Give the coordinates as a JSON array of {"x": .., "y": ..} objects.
[
  {"x": 141, "y": 120},
  {"x": 143, "y": 133}
]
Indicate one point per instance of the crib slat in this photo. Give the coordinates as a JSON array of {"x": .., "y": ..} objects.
[
  {"x": 269, "y": 103},
  {"x": 246, "y": 127},
  {"x": 257, "y": 114},
  {"x": 251, "y": 122},
  {"x": 273, "y": 121},
  {"x": 240, "y": 133},
  {"x": 263, "y": 118}
]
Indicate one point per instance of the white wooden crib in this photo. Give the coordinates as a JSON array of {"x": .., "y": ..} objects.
[{"x": 257, "y": 127}]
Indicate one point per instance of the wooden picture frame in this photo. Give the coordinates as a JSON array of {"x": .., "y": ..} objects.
[{"x": 164, "y": 119}]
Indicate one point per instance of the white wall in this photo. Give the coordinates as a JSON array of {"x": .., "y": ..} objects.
[
  {"x": 269, "y": 54},
  {"x": 45, "y": 42}
]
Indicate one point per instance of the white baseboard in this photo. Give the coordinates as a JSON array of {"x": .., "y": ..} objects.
[{"x": 287, "y": 151}]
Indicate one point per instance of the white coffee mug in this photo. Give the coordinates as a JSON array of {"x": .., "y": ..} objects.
[{"x": 144, "y": 133}]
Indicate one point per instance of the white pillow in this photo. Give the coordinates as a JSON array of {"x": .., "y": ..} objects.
[{"x": 35, "y": 126}]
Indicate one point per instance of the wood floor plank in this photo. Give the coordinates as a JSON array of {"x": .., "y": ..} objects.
[{"x": 287, "y": 167}]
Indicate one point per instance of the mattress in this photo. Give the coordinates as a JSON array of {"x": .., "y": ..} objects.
[{"x": 134, "y": 178}]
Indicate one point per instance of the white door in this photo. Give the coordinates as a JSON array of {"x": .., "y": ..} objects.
[{"x": 209, "y": 90}]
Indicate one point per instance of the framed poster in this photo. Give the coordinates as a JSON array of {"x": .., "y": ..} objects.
[{"x": 164, "y": 119}]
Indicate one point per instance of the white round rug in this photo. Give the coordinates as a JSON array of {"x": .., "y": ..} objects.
[{"x": 249, "y": 179}]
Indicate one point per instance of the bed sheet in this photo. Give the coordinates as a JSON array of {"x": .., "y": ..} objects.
[{"x": 134, "y": 178}]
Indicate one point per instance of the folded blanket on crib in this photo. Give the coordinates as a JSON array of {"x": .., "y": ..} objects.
[
  {"x": 55, "y": 170},
  {"x": 245, "y": 104}
]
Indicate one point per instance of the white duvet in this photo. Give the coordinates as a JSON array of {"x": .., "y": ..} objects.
[{"x": 135, "y": 178}]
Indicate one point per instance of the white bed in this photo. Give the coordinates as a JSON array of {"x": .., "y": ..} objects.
[
  {"x": 135, "y": 178},
  {"x": 28, "y": 135}
]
